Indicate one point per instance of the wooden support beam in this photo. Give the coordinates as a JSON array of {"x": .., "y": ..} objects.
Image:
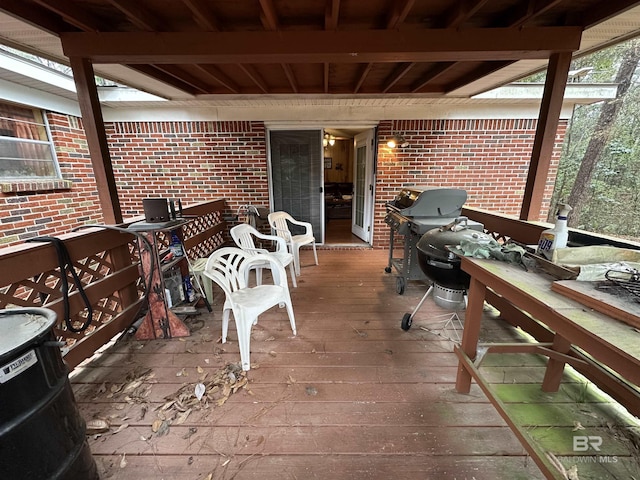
[
  {"x": 96, "y": 139},
  {"x": 389, "y": 46},
  {"x": 205, "y": 19},
  {"x": 363, "y": 75},
  {"x": 219, "y": 77},
  {"x": 288, "y": 71},
  {"x": 431, "y": 75},
  {"x": 545, "y": 138},
  {"x": 331, "y": 14},
  {"x": 397, "y": 75},
  {"x": 255, "y": 77}
]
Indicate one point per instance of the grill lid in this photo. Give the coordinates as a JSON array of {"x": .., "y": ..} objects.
[
  {"x": 420, "y": 201},
  {"x": 434, "y": 243}
]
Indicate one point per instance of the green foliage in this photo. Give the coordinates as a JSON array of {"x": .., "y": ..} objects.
[{"x": 614, "y": 192}]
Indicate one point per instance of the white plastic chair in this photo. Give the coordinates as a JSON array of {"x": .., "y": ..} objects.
[
  {"x": 280, "y": 221},
  {"x": 243, "y": 235},
  {"x": 229, "y": 268}
]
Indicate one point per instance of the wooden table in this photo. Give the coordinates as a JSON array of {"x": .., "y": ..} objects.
[{"x": 610, "y": 342}]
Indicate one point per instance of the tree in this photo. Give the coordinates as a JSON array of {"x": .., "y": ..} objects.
[{"x": 582, "y": 190}]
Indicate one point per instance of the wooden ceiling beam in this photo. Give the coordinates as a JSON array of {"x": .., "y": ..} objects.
[
  {"x": 163, "y": 77},
  {"x": 460, "y": 12},
  {"x": 204, "y": 18},
  {"x": 219, "y": 77},
  {"x": 399, "y": 14},
  {"x": 476, "y": 74},
  {"x": 331, "y": 14},
  {"x": 73, "y": 15},
  {"x": 432, "y": 75},
  {"x": 528, "y": 12},
  {"x": 138, "y": 15},
  {"x": 255, "y": 77},
  {"x": 397, "y": 75},
  {"x": 363, "y": 75},
  {"x": 321, "y": 46},
  {"x": 269, "y": 17},
  {"x": 288, "y": 71},
  {"x": 179, "y": 74}
]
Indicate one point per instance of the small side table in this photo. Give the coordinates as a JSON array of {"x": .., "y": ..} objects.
[{"x": 160, "y": 321}]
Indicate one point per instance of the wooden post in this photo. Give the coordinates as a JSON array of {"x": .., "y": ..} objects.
[
  {"x": 548, "y": 119},
  {"x": 96, "y": 139}
]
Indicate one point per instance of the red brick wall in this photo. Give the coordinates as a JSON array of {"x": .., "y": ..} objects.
[
  {"x": 193, "y": 161},
  {"x": 198, "y": 161},
  {"x": 28, "y": 214},
  {"x": 487, "y": 158}
]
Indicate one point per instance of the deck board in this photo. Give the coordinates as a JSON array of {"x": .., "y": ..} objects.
[{"x": 352, "y": 396}]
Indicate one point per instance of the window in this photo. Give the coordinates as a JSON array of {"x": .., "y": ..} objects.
[{"x": 26, "y": 151}]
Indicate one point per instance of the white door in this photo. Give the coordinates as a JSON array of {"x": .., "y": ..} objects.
[{"x": 363, "y": 185}]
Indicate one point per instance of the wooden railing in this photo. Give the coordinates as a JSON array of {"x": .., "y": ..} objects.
[
  {"x": 106, "y": 261},
  {"x": 504, "y": 227}
]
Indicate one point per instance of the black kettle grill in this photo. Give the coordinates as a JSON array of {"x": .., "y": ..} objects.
[{"x": 441, "y": 265}]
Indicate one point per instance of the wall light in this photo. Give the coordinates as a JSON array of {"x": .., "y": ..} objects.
[{"x": 397, "y": 141}]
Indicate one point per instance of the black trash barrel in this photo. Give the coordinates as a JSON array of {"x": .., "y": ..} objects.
[{"x": 42, "y": 435}]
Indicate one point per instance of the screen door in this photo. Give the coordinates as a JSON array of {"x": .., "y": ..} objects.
[{"x": 296, "y": 175}]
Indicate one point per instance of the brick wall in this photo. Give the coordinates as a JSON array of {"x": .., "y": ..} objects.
[
  {"x": 487, "y": 158},
  {"x": 198, "y": 161},
  {"x": 194, "y": 161}
]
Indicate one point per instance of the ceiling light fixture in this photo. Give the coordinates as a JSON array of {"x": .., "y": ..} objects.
[
  {"x": 328, "y": 140},
  {"x": 397, "y": 141}
]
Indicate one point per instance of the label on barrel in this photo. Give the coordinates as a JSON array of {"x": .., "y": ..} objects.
[{"x": 17, "y": 366}]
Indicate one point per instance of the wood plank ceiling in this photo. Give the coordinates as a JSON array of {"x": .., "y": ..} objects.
[
  {"x": 342, "y": 47},
  {"x": 206, "y": 48}
]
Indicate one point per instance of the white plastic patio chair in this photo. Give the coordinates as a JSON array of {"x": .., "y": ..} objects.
[
  {"x": 229, "y": 268},
  {"x": 243, "y": 234},
  {"x": 280, "y": 221}
]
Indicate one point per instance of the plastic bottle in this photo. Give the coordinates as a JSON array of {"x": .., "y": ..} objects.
[
  {"x": 555, "y": 237},
  {"x": 190, "y": 293},
  {"x": 175, "y": 246}
]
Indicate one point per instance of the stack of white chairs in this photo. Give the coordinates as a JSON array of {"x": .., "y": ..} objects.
[{"x": 229, "y": 268}]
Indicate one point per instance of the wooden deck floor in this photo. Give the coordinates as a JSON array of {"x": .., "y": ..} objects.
[{"x": 352, "y": 396}]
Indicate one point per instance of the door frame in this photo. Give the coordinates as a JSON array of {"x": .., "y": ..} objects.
[{"x": 369, "y": 139}]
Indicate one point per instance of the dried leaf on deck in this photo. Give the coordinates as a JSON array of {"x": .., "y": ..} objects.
[
  {"x": 183, "y": 417},
  {"x": 121, "y": 427},
  {"x": 156, "y": 425},
  {"x": 163, "y": 429},
  {"x": 123, "y": 460},
  {"x": 199, "y": 369},
  {"x": 577, "y": 426},
  {"x": 223, "y": 382},
  {"x": 182, "y": 373}
]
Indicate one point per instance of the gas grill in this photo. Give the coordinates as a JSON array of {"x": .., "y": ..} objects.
[{"x": 413, "y": 212}]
